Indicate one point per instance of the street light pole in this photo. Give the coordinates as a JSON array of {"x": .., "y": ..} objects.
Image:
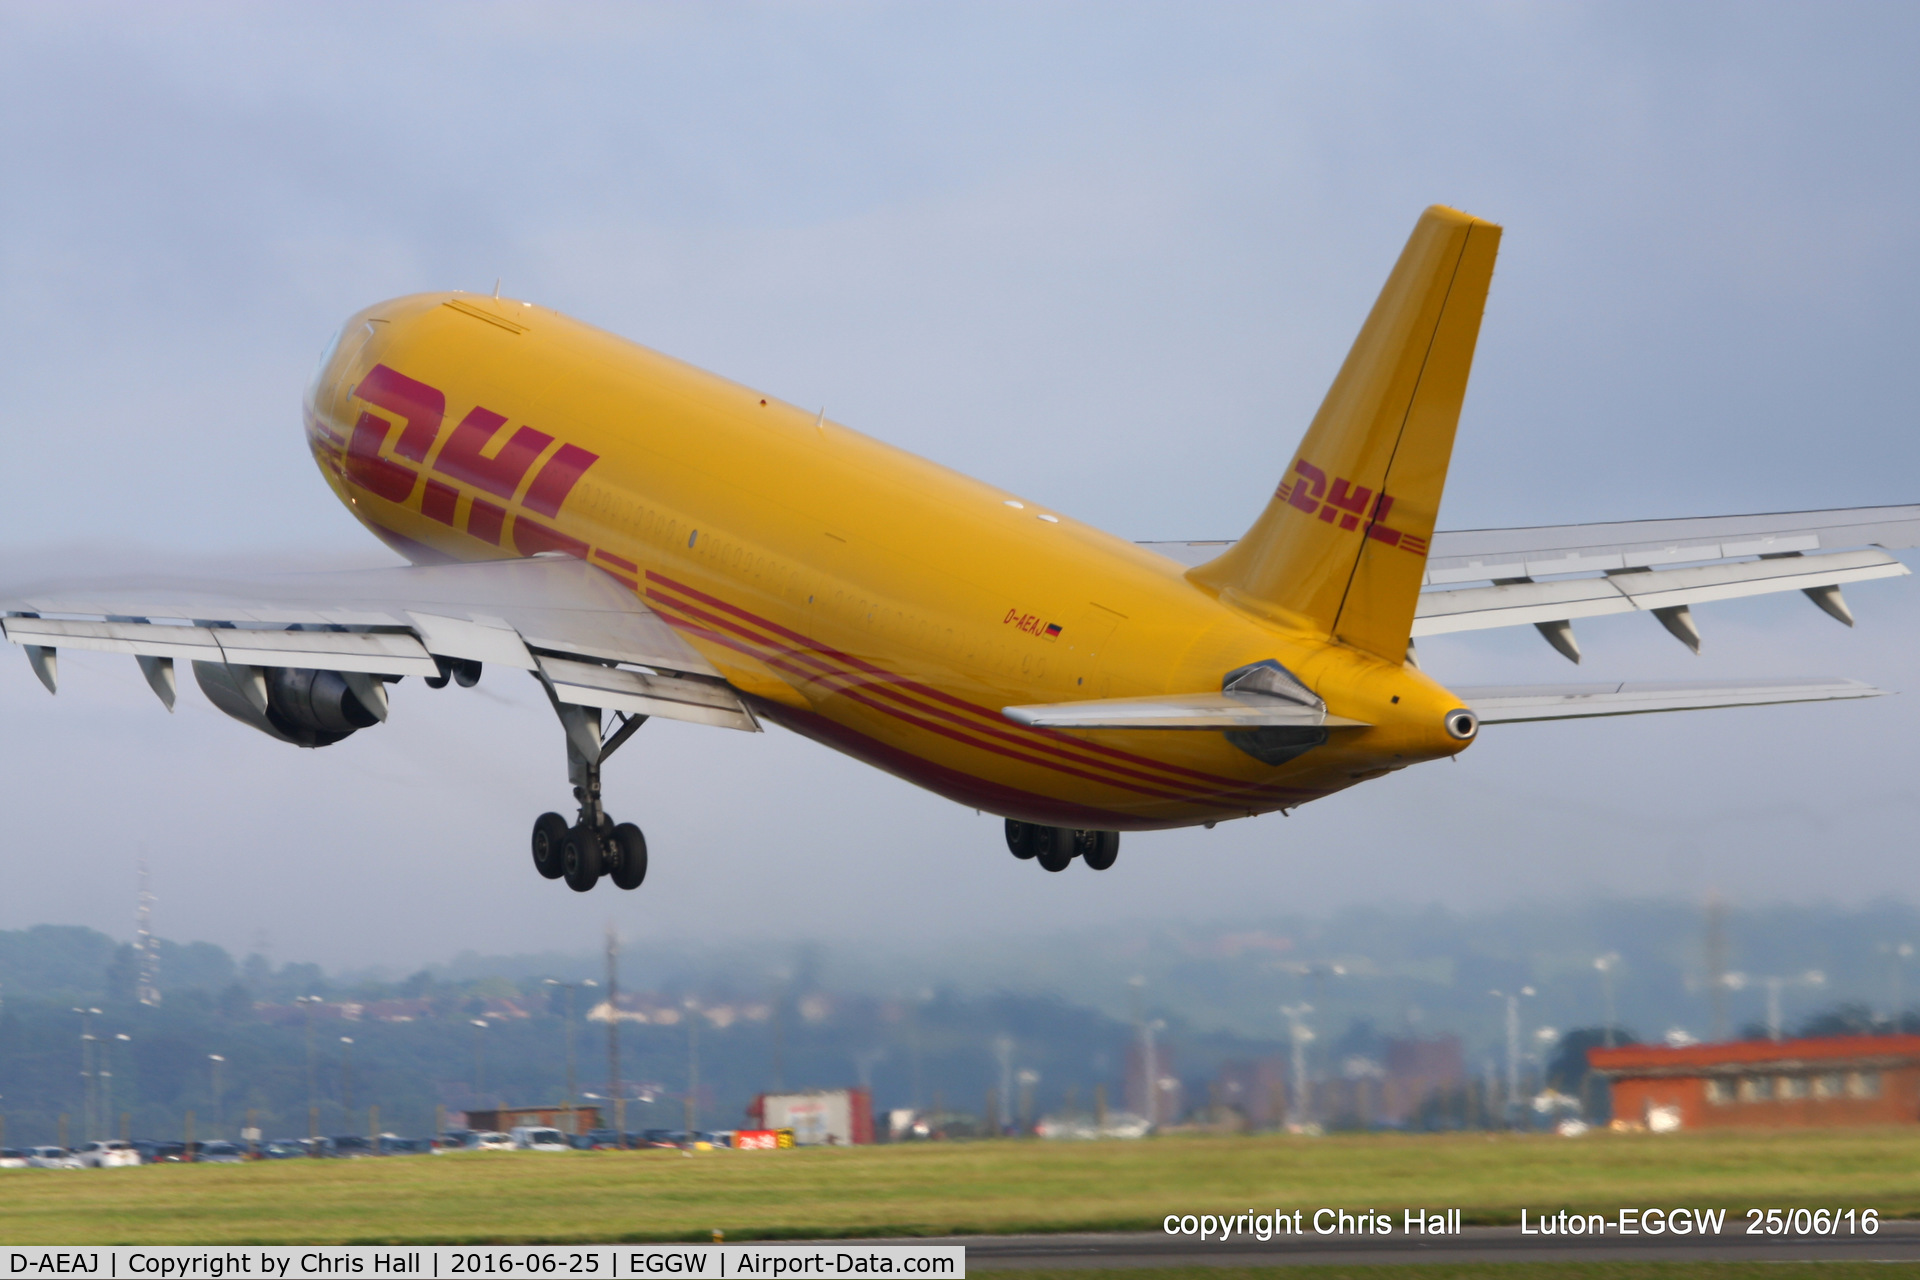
[
  {"x": 214, "y": 1060},
  {"x": 313, "y": 1079},
  {"x": 613, "y": 1032},
  {"x": 1513, "y": 1047},
  {"x": 106, "y": 1080},
  {"x": 693, "y": 1066},
  {"x": 346, "y": 1080},
  {"x": 1776, "y": 1029},
  {"x": 1298, "y": 1033},
  {"x": 479, "y": 1062},
  {"x": 1902, "y": 952},
  {"x": 1605, "y": 964},
  {"x": 573, "y": 1114},
  {"x": 87, "y": 1099}
]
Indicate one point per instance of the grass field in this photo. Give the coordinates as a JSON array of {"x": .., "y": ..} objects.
[{"x": 945, "y": 1188}]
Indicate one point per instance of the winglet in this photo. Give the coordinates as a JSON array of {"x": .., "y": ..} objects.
[{"x": 1342, "y": 545}]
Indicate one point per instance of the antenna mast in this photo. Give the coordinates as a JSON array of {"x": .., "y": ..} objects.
[{"x": 147, "y": 986}]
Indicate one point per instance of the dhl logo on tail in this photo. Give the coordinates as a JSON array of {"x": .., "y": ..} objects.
[{"x": 1346, "y": 503}]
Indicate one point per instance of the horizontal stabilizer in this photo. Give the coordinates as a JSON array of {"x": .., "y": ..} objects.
[
  {"x": 1175, "y": 711},
  {"x": 1505, "y": 704}
]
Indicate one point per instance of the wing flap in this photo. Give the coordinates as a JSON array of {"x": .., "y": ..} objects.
[
  {"x": 373, "y": 652},
  {"x": 1510, "y": 704},
  {"x": 145, "y": 639},
  {"x": 1519, "y": 603},
  {"x": 589, "y": 684}
]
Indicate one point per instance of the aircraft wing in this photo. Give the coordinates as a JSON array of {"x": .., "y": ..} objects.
[
  {"x": 586, "y": 635},
  {"x": 1550, "y": 575}
]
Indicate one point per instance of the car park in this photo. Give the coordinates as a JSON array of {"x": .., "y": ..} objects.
[{"x": 110, "y": 1154}]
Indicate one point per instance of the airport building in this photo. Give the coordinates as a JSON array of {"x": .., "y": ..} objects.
[{"x": 1841, "y": 1080}]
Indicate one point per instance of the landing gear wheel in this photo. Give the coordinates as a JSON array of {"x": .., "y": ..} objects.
[
  {"x": 549, "y": 833},
  {"x": 1098, "y": 849},
  {"x": 1020, "y": 838},
  {"x": 580, "y": 857},
  {"x": 627, "y": 848},
  {"x": 1055, "y": 848}
]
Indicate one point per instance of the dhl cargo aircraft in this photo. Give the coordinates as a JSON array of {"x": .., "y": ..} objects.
[{"x": 650, "y": 540}]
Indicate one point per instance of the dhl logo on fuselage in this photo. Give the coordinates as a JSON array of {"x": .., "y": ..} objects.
[
  {"x": 1346, "y": 503},
  {"x": 468, "y": 458}
]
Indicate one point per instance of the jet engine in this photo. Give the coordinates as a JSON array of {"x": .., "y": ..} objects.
[{"x": 301, "y": 705}]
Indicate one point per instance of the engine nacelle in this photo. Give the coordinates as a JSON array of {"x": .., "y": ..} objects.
[{"x": 301, "y": 705}]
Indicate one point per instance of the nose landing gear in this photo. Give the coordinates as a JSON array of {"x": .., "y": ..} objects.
[{"x": 1056, "y": 847}]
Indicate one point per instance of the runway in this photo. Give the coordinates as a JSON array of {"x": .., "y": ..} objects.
[{"x": 1894, "y": 1242}]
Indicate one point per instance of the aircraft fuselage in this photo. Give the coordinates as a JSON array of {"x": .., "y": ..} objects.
[{"x": 870, "y": 599}]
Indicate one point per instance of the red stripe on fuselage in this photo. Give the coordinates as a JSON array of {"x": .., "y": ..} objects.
[
  {"x": 856, "y": 694},
  {"x": 998, "y": 723}
]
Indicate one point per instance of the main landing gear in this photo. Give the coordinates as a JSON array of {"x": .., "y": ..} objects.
[
  {"x": 1055, "y": 847},
  {"x": 594, "y": 845}
]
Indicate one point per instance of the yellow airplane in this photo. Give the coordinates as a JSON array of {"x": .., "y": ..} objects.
[{"x": 649, "y": 539}]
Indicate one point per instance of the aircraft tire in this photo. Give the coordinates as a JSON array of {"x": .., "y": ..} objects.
[
  {"x": 1022, "y": 839},
  {"x": 580, "y": 854},
  {"x": 549, "y": 833},
  {"x": 1099, "y": 849},
  {"x": 628, "y": 845},
  {"x": 1055, "y": 848}
]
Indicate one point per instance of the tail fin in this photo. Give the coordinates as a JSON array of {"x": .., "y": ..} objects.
[{"x": 1342, "y": 546}]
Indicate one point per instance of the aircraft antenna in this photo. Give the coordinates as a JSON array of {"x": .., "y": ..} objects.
[{"x": 496, "y": 288}]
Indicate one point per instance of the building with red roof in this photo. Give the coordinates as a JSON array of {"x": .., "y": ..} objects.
[{"x": 1839, "y": 1080}]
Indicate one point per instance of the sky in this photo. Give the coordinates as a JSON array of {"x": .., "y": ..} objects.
[{"x": 1106, "y": 255}]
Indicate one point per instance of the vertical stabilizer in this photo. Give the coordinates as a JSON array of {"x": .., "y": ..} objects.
[{"x": 1342, "y": 546}]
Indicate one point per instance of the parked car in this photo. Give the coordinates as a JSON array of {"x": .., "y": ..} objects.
[
  {"x": 12, "y": 1158},
  {"x": 606, "y": 1140},
  {"x": 527, "y": 1137},
  {"x": 111, "y": 1154},
  {"x": 488, "y": 1140},
  {"x": 220, "y": 1152},
  {"x": 154, "y": 1152},
  {"x": 283, "y": 1149},
  {"x": 51, "y": 1158},
  {"x": 351, "y": 1144},
  {"x": 392, "y": 1146}
]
